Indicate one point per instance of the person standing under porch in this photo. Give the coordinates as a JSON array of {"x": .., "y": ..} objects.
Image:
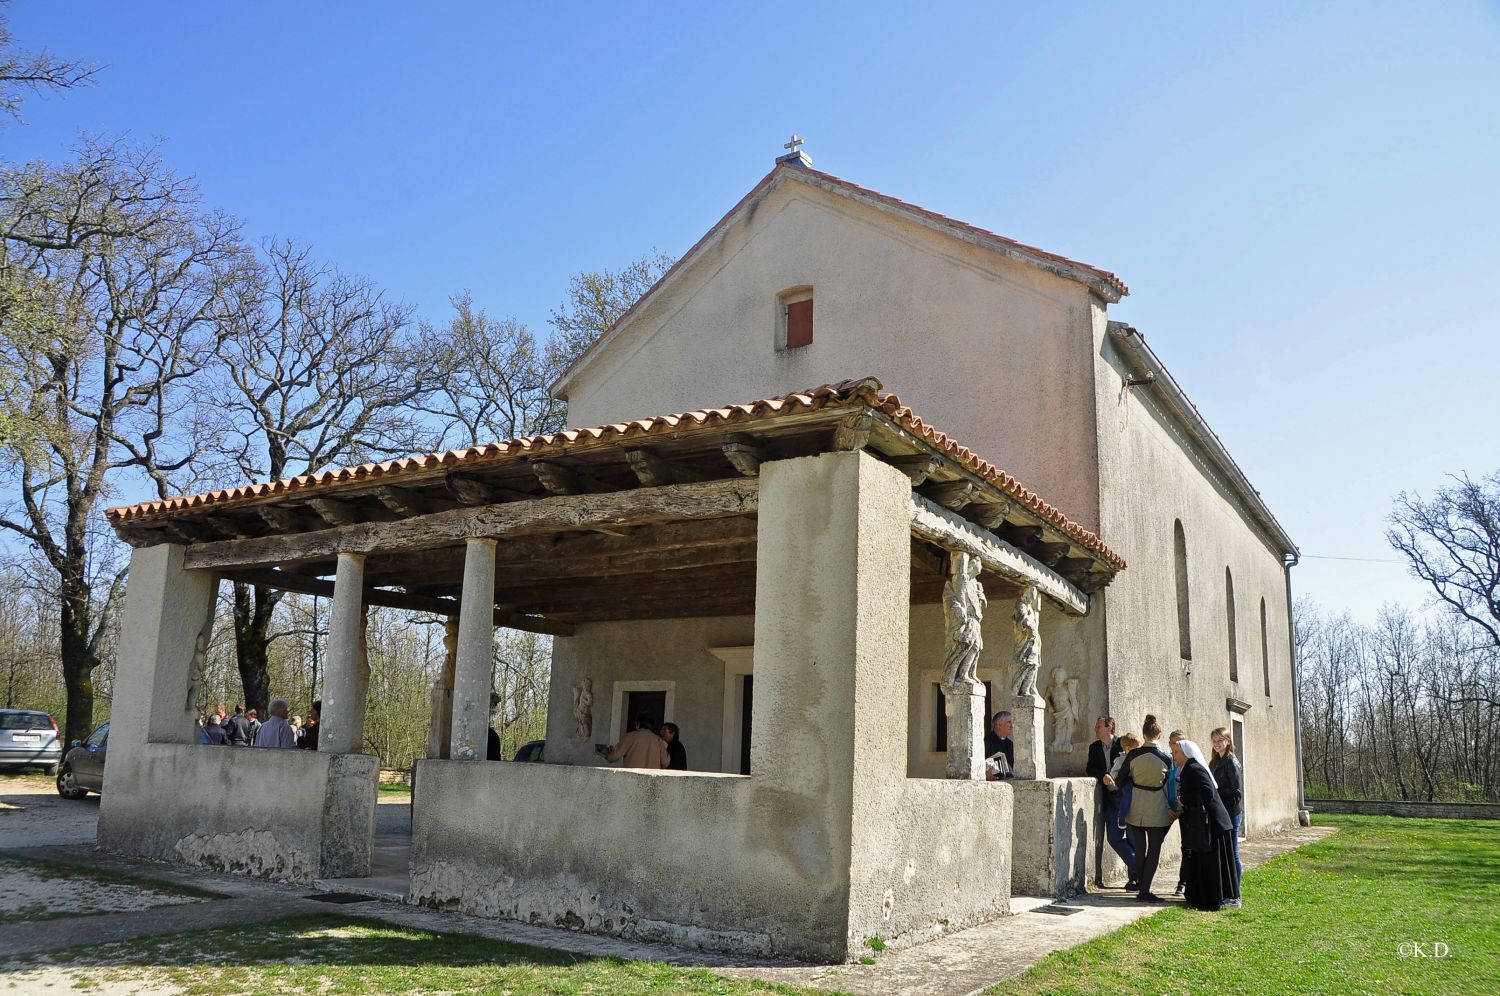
[
  {"x": 999, "y": 749},
  {"x": 641, "y": 747},
  {"x": 1149, "y": 816},
  {"x": 678, "y": 753},
  {"x": 1102, "y": 754},
  {"x": 276, "y": 731}
]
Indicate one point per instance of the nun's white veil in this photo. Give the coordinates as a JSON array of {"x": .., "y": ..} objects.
[{"x": 1194, "y": 752}]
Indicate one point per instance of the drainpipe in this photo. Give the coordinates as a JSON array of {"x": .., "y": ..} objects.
[{"x": 1304, "y": 818}]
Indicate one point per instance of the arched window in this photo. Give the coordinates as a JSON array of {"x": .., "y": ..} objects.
[
  {"x": 1234, "y": 655},
  {"x": 1179, "y": 558},
  {"x": 1265, "y": 654}
]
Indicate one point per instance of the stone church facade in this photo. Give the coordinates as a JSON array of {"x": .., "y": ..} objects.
[
  {"x": 997, "y": 498},
  {"x": 1010, "y": 350}
]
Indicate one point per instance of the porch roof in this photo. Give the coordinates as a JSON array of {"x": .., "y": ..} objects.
[{"x": 299, "y": 522}]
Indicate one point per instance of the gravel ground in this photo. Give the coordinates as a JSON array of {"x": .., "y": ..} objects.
[{"x": 34, "y": 814}]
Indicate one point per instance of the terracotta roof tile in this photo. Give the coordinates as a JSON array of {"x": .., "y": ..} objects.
[{"x": 867, "y": 391}]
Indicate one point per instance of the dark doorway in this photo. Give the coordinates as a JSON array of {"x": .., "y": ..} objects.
[
  {"x": 653, "y": 704},
  {"x": 746, "y": 711}
]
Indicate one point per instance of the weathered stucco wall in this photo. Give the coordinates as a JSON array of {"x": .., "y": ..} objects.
[
  {"x": 284, "y": 814},
  {"x": 671, "y": 651},
  {"x": 694, "y": 859},
  {"x": 1151, "y": 477},
  {"x": 1052, "y": 842},
  {"x": 892, "y": 299},
  {"x": 294, "y": 815},
  {"x": 825, "y": 844}
]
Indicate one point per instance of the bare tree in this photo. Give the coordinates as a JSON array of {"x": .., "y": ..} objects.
[
  {"x": 595, "y": 301},
  {"x": 120, "y": 315},
  {"x": 316, "y": 367},
  {"x": 1452, "y": 542},
  {"x": 25, "y": 73},
  {"x": 493, "y": 379}
]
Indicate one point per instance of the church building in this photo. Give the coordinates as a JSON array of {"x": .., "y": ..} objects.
[{"x": 849, "y": 479}]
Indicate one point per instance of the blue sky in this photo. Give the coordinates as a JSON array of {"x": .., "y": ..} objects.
[{"x": 1302, "y": 197}]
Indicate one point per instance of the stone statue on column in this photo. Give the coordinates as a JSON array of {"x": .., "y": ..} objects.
[
  {"x": 1062, "y": 696},
  {"x": 1026, "y": 626},
  {"x": 1028, "y": 707},
  {"x": 583, "y": 709},
  {"x": 963, "y": 611}
]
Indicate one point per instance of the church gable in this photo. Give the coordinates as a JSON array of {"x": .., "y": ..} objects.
[{"x": 793, "y": 178}]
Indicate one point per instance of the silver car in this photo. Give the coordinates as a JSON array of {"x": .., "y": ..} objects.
[
  {"x": 28, "y": 739},
  {"x": 82, "y": 769}
]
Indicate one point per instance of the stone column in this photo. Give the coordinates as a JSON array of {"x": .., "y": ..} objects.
[
  {"x": 341, "y": 701},
  {"x": 963, "y": 610},
  {"x": 475, "y": 665},
  {"x": 362, "y": 678},
  {"x": 1028, "y": 707},
  {"x": 440, "y": 732},
  {"x": 163, "y": 633},
  {"x": 828, "y": 735}
]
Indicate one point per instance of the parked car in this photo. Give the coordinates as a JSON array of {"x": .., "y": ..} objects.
[
  {"x": 531, "y": 750},
  {"x": 28, "y": 739},
  {"x": 82, "y": 769}
]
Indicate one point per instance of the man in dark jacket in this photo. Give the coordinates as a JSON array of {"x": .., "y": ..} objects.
[
  {"x": 1102, "y": 754},
  {"x": 238, "y": 729},
  {"x": 213, "y": 733},
  {"x": 999, "y": 749},
  {"x": 678, "y": 753}
]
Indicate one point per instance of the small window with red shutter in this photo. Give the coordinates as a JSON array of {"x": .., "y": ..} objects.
[{"x": 796, "y": 325}]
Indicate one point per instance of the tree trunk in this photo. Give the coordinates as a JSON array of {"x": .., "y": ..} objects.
[
  {"x": 78, "y": 661},
  {"x": 254, "y": 607}
]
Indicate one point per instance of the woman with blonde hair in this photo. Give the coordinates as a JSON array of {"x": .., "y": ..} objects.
[{"x": 1225, "y": 767}]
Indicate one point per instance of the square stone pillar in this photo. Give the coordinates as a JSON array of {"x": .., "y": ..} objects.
[
  {"x": 832, "y": 613},
  {"x": 164, "y": 633},
  {"x": 1029, "y": 713},
  {"x": 341, "y": 720},
  {"x": 474, "y": 668},
  {"x": 964, "y": 705}
]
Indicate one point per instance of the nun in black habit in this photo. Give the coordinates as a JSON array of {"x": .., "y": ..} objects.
[{"x": 1206, "y": 832}]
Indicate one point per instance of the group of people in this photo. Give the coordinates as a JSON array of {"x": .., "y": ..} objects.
[
  {"x": 244, "y": 727},
  {"x": 1147, "y": 790},
  {"x": 649, "y": 746}
]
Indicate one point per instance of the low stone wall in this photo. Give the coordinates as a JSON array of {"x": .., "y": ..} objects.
[
  {"x": 943, "y": 864},
  {"x": 1424, "y": 810},
  {"x": 291, "y": 815},
  {"x": 1055, "y": 826},
  {"x": 704, "y": 860}
]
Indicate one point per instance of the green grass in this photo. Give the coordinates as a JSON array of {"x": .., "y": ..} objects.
[
  {"x": 394, "y": 788},
  {"x": 333, "y": 953},
  {"x": 1328, "y": 918}
]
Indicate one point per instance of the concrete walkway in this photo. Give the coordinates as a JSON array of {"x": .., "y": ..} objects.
[
  {"x": 957, "y": 965},
  {"x": 975, "y": 959}
]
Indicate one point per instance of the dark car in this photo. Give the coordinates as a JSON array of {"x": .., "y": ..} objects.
[
  {"x": 530, "y": 751},
  {"x": 28, "y": 739},
  {"x": 82, "y": 768}
]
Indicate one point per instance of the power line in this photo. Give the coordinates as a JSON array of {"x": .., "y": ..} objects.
[{"x": 1362, "y": 560}]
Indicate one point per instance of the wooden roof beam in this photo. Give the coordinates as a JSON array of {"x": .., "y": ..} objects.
[{"x": 674, "y": 503}]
